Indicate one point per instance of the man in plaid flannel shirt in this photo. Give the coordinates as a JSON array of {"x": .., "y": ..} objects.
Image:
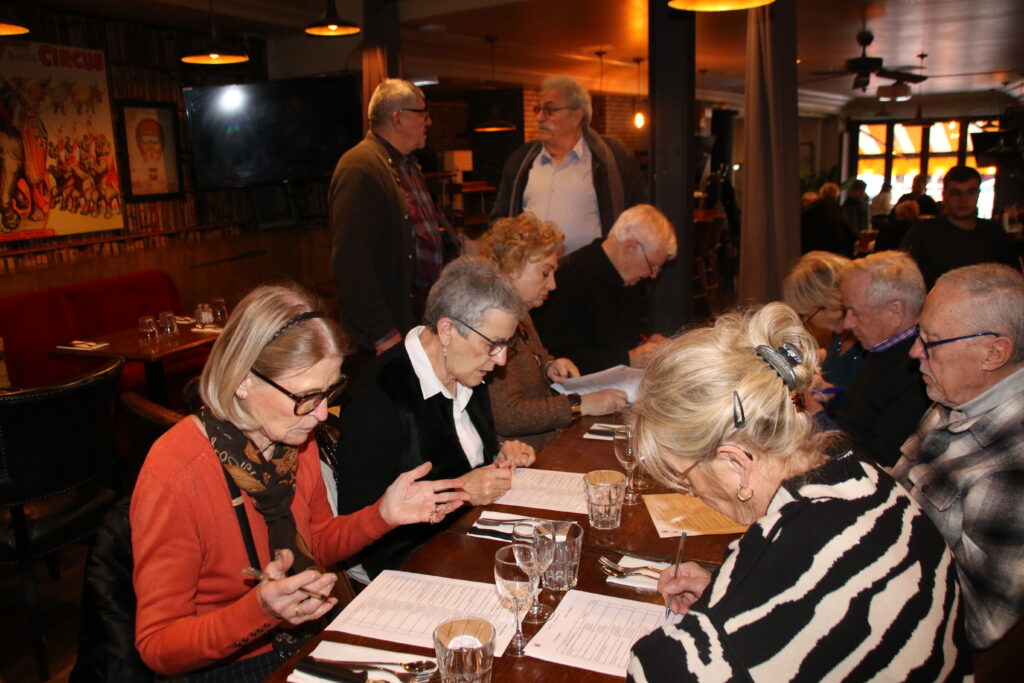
[{"x": 965, "y": 464}]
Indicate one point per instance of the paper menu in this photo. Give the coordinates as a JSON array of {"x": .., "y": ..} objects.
[
  {"x": 674, "y": 513},
  {"x": 618, "y": 377},
  {"x": 546, "y": 490},
  {"x": 595, "y": 632},
  {"x": 404, "y": 607}
]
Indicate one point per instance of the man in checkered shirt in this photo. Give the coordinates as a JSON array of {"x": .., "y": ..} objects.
[{"x": 965, "y": 464}]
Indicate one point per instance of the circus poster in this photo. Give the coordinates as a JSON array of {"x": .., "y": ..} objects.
[{"x": 58, "y": 174}]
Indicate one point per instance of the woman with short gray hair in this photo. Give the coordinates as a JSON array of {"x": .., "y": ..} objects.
[{"x": 423, "y": 401}]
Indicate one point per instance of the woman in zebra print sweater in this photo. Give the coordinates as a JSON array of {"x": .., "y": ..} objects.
[{"x": 840, "y": 576}]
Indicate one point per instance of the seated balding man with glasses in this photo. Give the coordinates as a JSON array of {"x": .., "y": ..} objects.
[
  {"x": 595, "y": 315},
  {"x": 965, "y": 463}
]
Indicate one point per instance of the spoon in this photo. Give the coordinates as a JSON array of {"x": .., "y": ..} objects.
[{"x": 418, "y": 666}]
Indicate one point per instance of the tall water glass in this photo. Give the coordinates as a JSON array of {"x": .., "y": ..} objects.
[
  {"x": 515, "y": 584},
  {"x": 626, "y": 455},
  {"x": 605, "y": 490},
  {"x": 525, "y": 532},
  {"x": 567, "y": 540},
  {"x": 147, "y": 330},
  {"x": 465, "y": 650},
  {"x": 220, "y": 311},
  {"x": 166, "y": 324}
]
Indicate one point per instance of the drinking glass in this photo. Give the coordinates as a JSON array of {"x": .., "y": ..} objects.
[
  {"x": 204, "y": 314},
  {"x": 220, "y": 311},
  {"x": 544, "y": 546},
  {"x": 147, "y": 329},
  {"x": 515, "y": 584},
  {"x": 166, "y": 324},
  {"x": 567, "y": 540},
  {"x": 465, "y": 650},
  {"x": 624, "y": 453},
  {"x": 605, "y": 490}
]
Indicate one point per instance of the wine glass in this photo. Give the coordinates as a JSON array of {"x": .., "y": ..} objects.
[
  {"x": 626, "y": 455},
  {"x": 545, "y": 548},
  {"x": 515, "y": 584}
]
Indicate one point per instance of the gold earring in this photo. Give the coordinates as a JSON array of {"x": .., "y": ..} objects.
[
  {"x": 744, "y": 493},
  {"x": 444, "y": 351}
]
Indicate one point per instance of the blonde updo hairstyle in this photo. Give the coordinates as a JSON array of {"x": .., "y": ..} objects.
[
  {"x": 516, "y": 241},
  {"x": 685, "y": 406},
  {"x": 248, "y": 342},
  {"x": 814, "y": 281}
]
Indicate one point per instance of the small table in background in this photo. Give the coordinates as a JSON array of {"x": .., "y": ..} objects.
[{"x": 126, "y": 344}]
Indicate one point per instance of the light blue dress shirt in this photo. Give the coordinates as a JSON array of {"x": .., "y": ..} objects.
[{"x": 564, "y": 194}]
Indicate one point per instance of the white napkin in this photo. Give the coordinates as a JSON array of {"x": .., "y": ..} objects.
[
  {"x": 600, "y": 431},
  {"x": 642, "y": 581},
  {"x": 492, "y": 532},
  {"x": 341, "y": 652}
]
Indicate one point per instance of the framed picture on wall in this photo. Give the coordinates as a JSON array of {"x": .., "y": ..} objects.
[{"x": 148, "y": 133}]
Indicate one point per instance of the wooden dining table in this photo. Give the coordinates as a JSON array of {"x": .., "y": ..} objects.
[
  {"x": 455, "y": 554},
  {"x": 126, "y": 344}
]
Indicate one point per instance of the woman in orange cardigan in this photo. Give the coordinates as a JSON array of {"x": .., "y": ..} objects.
[{"x": 266, "y": 386}]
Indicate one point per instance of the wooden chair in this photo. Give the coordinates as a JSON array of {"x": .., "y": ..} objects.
[
  {"x": 144, "y": 422},
  {"x": 56, "y": 450}
]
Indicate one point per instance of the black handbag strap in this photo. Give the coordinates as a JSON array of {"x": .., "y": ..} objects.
[{"x": 238, "y": 502}]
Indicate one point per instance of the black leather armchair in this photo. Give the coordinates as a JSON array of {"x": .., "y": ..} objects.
[{"x": 56, "y": 450}]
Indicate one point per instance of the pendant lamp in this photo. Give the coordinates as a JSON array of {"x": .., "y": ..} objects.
[
  {"x": 639, "y": 120},
  {"x": 331, "y": 25},
  {"x": 493, "y": 123},
  {"x": 215, "y": 50},
  {"x": 10, "y": 27},
  {"x": 716, "y": 5}
]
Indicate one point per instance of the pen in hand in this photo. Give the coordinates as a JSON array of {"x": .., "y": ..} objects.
[
  {"x": 679, "y": 556},
  {"x": 260, "y": 575}
]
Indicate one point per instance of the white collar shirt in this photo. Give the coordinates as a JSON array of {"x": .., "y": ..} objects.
[{"x": 564, "y": 194}]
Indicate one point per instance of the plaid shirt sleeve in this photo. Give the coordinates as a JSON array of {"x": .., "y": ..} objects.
[{"x": 990, "y": 555}]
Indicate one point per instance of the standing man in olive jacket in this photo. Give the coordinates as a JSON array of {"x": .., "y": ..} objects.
[
  {"x": 388, "y": 246},
  {"x": 572, "y": 176}
]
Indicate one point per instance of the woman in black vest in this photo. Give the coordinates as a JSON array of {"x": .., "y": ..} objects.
[{"x": 424, "y": 400}]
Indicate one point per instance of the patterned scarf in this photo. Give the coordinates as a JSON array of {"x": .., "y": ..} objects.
[{"x": 271, "y": 486}]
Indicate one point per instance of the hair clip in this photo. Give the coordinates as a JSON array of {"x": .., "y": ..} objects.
[
  {"x": 295, "y": 321},
  {"x": 782, "y": 361},
  {"x": 739, "y": 416}
]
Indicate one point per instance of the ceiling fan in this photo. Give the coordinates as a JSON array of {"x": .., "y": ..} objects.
[{"x": 862, "y": 67}]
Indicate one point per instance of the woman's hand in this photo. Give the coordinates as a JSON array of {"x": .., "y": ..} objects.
[
  {"x": 408, "y": 501},
  {"x": 604, "y": 402},
  {"x": 289, "y": 597},
  {"x": 561, "y": 369},
  {"x": 486, "y": 484},
  {"x": 515, "y": 454},
  {"x": 682, "y": 584}
]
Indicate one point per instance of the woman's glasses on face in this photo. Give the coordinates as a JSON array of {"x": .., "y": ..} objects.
[
  {"x": 495, "y": 346},
  {"x": 307, "y": 403}
]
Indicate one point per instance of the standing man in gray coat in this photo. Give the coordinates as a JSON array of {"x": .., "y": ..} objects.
[
  {"x": 388, "y": 246},
  {"x": 572, "y": 176}
]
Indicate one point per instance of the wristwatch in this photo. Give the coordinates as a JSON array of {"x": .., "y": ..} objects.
[{"x": 576, "y": 404}]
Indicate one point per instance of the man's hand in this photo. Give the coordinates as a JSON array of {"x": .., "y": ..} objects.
[
  {"x": 641, "y": 355},
  {"x": 604, "y": 402}
]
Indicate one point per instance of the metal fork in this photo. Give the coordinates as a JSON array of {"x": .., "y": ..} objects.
[{"x": 626, "y": 571}]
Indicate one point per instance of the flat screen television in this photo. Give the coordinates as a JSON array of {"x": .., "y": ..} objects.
[{"x": 272, "y": 131}]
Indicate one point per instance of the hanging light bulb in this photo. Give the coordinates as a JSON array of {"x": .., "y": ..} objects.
[
  {"x": 716, "y": 5},
  {"x": 493, "y": 123},
  {"x": 215, "y": 50},
  {"x": 639, "y": 120},
  {"x": 331, "y": 24}
]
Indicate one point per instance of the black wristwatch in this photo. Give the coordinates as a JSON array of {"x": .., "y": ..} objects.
[{"x": 576, "y": 404}]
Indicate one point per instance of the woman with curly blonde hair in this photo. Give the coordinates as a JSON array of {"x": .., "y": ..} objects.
[
  {"x": 840, "y": 575},
  {"x": 526, "y": 251}
]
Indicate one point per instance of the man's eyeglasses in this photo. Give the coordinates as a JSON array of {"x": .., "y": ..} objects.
[
  {"x": 653, "y": 268},
  {"x": 926, "y": 345},
  {"x": 422, "y": 110},
  {"x": 307, "y": 403},
  {"x": 496, "y": 346},
  {"x": 548, "y": 109}
]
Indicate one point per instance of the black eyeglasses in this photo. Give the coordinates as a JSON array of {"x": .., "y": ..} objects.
[
  {"x": 939, "y": 342},
  {"x": 650, "y": 266},
  {"x": 548, "y": 109},
  {"x": 421, "y": 110},
  {"x": 496, "y": 345},
  {"x": 307, "y": 403},
  {"x": 810, "y": 316}
]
